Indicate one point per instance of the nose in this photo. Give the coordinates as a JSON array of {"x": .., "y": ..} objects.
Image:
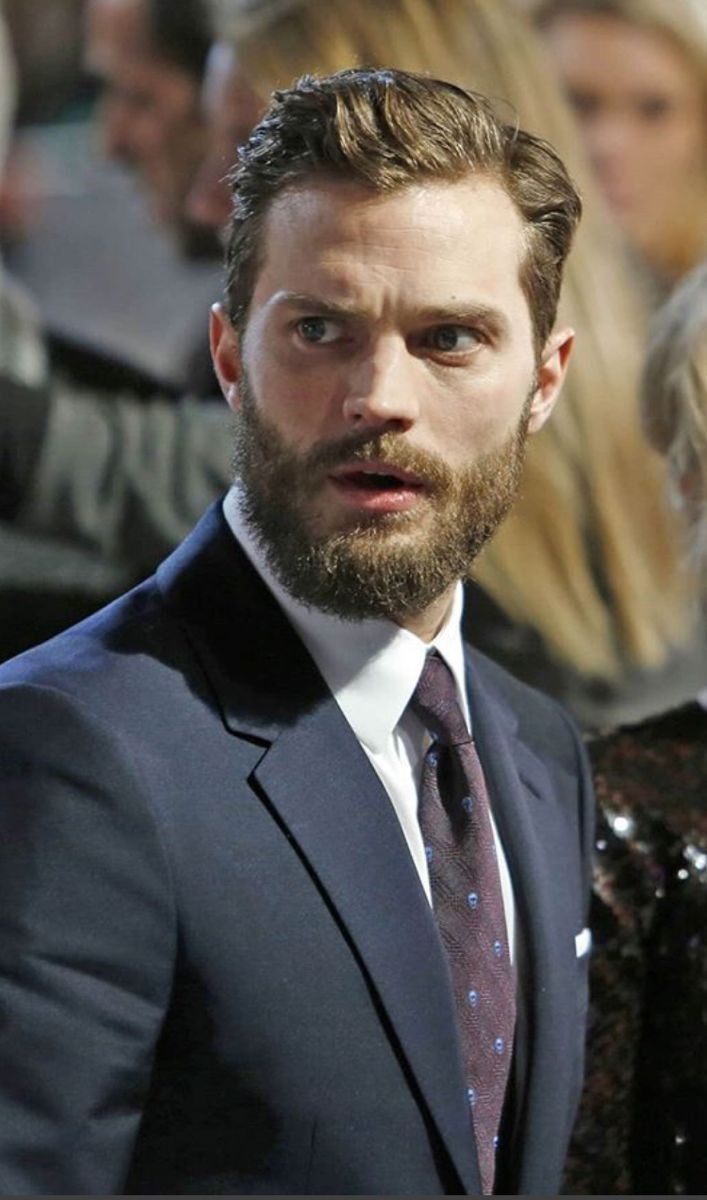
[
  {"x": 381, "y": 388},
  {"x": 209, "y": 200},
  {"x": 609, "y": 141}
]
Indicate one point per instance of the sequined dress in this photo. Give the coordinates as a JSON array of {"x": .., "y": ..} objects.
[{"x": 642, "y": 1127}]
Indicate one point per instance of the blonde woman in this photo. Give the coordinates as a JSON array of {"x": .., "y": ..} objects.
[
  {"x": 636, "y": 74},
  {"x": 644, "y": 1113},
  {"x": 583, "y": 589}
]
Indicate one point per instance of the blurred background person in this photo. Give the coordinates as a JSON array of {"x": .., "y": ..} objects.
[
  {"x": 45, "y": 581},
  {"x": 95, "y": 292},
  {"x": 635, "y": 72},
  {"x": 149, "y": 58},
  {"x": 643, "y": 1117},
  {"x": 52, "y": 575}
]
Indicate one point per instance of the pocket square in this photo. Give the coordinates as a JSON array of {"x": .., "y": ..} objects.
[{"x": 583, "y": 942}]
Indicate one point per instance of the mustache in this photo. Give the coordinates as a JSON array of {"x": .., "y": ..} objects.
[{"x": 388, "y": 447}]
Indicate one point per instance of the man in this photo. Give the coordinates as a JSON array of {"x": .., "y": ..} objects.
[
  {"x": 120, "y": 476},
  {"x": 64, "y": 404},
  {"x": 226, "y": 957},
  {"x": 150, "y": 57}
]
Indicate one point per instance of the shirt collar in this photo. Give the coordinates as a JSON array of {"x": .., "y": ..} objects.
[{"x": 371, "y": 666}]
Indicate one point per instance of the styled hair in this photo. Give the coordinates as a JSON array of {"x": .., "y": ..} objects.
[
  {"x": 674, "y": 402},
  {"x": 390, "y": 129},
  {"x": 180, "y": 31},
  {"x": 589, "y": 556}
]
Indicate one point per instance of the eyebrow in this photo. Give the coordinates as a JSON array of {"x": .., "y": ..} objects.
[{"x": 464, "y": 314}]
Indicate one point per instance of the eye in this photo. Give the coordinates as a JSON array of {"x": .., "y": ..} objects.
[
  {"x": 584, "y": 103},
  {"x": 451, "y": 339},
  {"x": 654, "y": 108},
  {"x": 318, "y": 330}
]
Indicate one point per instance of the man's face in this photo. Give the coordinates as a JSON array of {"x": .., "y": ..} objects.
[
  {"x": 150, "y": 114},
  {"x": 641, "y": 107},
  {"x": 385, "y": 382}
]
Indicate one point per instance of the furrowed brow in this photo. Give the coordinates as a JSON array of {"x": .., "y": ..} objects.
[
  {"x": 306, "y": 303},
  {"x": 489, "y": 317}
]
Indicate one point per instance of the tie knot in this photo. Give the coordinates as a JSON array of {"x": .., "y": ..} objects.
[{"x": 435, "y": 702}]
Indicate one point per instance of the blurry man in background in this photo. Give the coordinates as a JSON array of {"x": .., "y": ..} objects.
[
  {"x": 68, "y": 397},
  {"x": 150, "y": 56}
]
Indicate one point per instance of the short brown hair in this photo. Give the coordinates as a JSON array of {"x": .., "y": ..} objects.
[{"x": 387, "y": 130}]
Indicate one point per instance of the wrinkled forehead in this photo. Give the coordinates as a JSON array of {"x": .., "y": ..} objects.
[
  {"x": 475, "y": 208},
  {"x": 421, "y": 245}
]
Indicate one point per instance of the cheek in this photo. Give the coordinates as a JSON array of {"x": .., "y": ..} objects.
[
  {"x": 678, "y": 142},
  {"x": 481, "y": 417},
  {"x": 689, "y": 143},
  {"x": 150, "y": 134},
  {"x": 301, "y": 405}
]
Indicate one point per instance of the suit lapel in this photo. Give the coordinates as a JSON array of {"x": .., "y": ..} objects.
[
  {"x": 326, "y": 793},
  {"x": 350, "y": 836},
  {"x": 525, "y": 806}
]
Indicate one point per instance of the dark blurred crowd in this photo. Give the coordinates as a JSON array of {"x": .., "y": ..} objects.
[{"x": 119, "y": 123}]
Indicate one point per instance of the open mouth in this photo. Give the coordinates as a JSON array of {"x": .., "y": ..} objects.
[
  {"x": 371, "y": 481},
  {"x": 377, "y": 486},
  {"x": 371, "y": 476}
]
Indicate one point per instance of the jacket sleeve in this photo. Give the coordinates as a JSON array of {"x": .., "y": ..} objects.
[
  {"x": 87, "y": 945},
  {"x": 121, "y": 477}
]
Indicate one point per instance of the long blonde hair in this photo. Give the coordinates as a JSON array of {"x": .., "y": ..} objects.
[{"x": 589, "y": 557}]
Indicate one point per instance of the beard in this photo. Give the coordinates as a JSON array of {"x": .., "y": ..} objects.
[{"x": 389, "y": 565}]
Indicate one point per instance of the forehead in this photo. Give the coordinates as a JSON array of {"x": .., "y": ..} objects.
[
  {"x": 430, "y": 244},
  {"x": 622, "y": 55},
  {"x": 116, "y": 30}
]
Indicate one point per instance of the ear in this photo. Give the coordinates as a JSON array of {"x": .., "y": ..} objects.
[
  {"x": 226, "y": 354},
  {"x": 551, "y": 375}
]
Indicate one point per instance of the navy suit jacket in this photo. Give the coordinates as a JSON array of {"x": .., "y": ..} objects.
[{"x": 218, "y": 969}]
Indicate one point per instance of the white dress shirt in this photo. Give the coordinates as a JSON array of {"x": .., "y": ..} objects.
[{"x": 372, "y": 668}]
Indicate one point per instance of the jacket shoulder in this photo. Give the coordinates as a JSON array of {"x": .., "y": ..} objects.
[{"x": 539, "y": 717}]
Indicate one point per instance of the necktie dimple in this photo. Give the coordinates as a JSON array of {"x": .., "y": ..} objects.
[{"x": 454, "y": 817}]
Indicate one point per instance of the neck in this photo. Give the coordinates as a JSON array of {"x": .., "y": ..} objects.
[{"x": 427, "y": 624}]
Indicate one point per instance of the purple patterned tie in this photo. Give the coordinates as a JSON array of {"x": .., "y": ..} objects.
[{"x": 468, "y": 904}]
